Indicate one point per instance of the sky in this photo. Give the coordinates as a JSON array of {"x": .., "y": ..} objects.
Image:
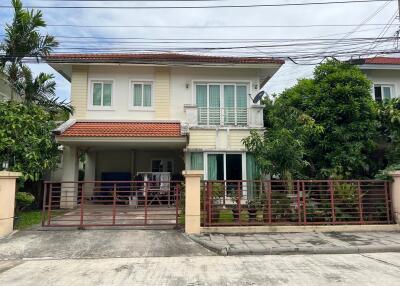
[{"x": 367, "y": 14}]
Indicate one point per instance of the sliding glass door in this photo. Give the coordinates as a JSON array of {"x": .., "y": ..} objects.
[
  {"x": 225, "y": 166},
  {"x": 222, "y": 103}
]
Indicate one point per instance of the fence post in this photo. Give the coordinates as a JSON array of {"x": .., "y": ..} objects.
[
  {"x": 332, "y": 199},
  {"x": 44, "y": 204},
  {"x": 81, "y": 207},
  {"x": 192, "y": 201},
  {"x": 395, "y": 195},
  {"x": 7, "y": 201}
]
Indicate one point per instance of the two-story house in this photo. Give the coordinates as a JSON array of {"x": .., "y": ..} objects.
[
  {"x": 139, "y": 114},
  {"x": 384, "y": 72}
]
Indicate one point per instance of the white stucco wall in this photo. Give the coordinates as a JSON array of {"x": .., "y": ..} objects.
[
  {"x": 179, "y": 92},
  {"x": 388, "y": 77}
]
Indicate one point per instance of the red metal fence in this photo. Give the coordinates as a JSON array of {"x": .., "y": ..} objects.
[
  {"x": 298, "y": 202},
  {"x": 112, "y": 203}
]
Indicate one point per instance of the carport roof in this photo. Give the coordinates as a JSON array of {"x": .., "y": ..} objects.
[{"x": 120, "y": 129}]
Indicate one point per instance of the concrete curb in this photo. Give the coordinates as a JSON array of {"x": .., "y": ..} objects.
[
  {"x": 228, "y": 251},
  {"x": 214, "y": 247}
]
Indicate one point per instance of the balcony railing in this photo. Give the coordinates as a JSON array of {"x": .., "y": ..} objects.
[{"x": 222, "y": 116}]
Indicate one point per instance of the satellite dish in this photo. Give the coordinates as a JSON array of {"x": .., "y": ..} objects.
[{"x": 258, "y": 97}]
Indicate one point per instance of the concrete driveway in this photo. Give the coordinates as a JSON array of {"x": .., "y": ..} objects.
[
  {"x": 308, "y": 270},
  {"x": 60, "y": 244}
]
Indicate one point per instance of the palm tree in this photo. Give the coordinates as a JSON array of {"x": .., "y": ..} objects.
[
  {"x": 23, "y": 40},
  {"x": 40, "y": 90}
]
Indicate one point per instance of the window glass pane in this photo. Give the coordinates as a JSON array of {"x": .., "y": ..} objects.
[
  {"x": 147, "y": 95},
  {"x": 201, "y": 102},
  {"x": 214, "y": 96},
  {"x": 214, "y": 104},
  {"x": 196, "y": 161},
  {"x": 241, "y": 105},
  {"x": 229, "y": 95},
  {"x": 378, "y": 93},
  {"x": 229, "y": 103},
  {"x": 107, "y": 94},
  {"x": 137, "y": 95},
  {"x": 169, "y": 166},
  {"x": 156, "y": 166},
  {"x": 386, "y": 92},
  {"x": 97, "y": 94},
  {"x": 241, "y": 96},
  {"x": 201, "y": 95}
]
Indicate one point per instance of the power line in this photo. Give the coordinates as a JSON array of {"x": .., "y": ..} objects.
[
  {"x": 200, "y": 7},
  {"x": 210, "y": 27}
]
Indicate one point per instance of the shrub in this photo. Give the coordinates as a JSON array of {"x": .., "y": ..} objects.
[{"x": 23, "y": 200}]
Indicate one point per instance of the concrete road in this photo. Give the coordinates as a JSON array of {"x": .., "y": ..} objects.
[
  {"x": 343, "y": 269},
  {"x": 98, "y": 244}
]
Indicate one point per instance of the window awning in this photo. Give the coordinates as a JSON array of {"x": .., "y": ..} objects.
[{"x": 119, "y": 129}]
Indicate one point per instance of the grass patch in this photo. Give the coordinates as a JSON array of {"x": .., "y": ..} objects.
[{"x": 27, "y": 219}]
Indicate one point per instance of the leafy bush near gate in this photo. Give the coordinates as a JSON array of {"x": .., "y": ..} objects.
[
  {"x": 23, "y": 201},
  {"x": 26, "y": 140}
]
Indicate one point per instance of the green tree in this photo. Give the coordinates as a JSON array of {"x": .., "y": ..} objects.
[
  {"x": 340, "y": 130},
  {"x": 40, "y": 90},
  {"x": 389, "y": 119},
  {"x": 280, "y": 151},
  {"x": 25, "y": 139},
  {"x": 23, "y": 40},
  {"x": 338, "y": 98}
]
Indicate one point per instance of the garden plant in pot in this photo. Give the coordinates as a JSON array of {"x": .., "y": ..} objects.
[
  {"x": 235, "y": 207},
  {"x": 217, "y": 193},
  {"x": 253, "y": 206}
]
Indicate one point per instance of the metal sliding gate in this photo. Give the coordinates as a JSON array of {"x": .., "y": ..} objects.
[{"x": 112, "y": 203}]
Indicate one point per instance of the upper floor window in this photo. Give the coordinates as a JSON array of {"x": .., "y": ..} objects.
[
  {"x": 222, "y": 103},
  {"x": 101, "y": 93},
  {"x": 383, "y": 92},
  {"x": 142, "y": 94}
]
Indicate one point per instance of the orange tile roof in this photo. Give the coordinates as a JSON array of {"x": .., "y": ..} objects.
[
  {"x": 377, "y": 61},
  {"x": 123, "y": 129},
  {"x": 160, "y": 57}
]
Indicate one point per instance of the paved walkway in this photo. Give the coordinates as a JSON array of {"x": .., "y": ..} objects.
[{"x": 294, "y": 243}]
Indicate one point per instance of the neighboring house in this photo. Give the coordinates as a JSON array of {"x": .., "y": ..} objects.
[
  {"x": 139, "y": 114},
  {"x": 384, "y": 72},
  {"x": 5, "y": 90}
]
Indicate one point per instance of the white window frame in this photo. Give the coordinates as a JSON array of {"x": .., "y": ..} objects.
[
  {"x": 90, "y": 95},
  {"x": 224, "y": 153},
  {"x": 142, "y": 82},
  {"x": 221, "y": 93},
  {"x": 382, "y": 85}
]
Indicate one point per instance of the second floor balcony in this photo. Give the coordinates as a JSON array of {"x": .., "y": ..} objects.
[{"x": 232, "y": 116}]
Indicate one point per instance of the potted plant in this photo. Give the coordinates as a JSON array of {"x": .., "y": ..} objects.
[
  {"x": 253, "y": 206},
  {"x": 217, "y": 192},
  {"x": 235, "y": 205}
]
